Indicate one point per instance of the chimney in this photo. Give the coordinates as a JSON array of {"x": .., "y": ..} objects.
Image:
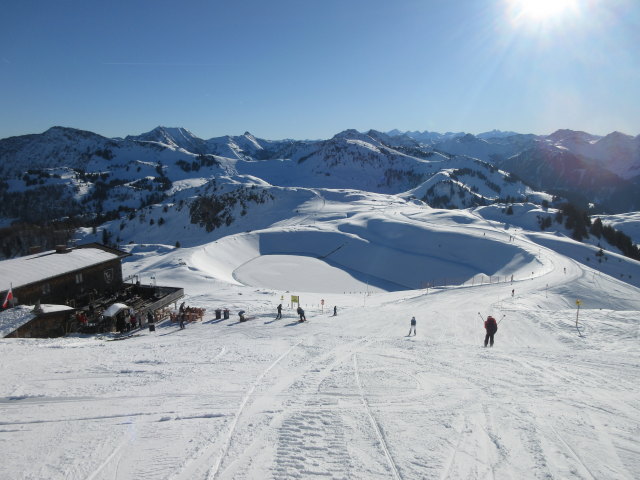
[{"x": 62, "y": 249}]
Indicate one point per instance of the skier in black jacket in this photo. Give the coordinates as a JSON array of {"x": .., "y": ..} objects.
[
  {"x": 412, "y": 327},
  {"x": 491, "y": 326}
]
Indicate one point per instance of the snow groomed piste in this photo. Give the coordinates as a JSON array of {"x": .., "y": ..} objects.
[{"x": 349, "y": 396}]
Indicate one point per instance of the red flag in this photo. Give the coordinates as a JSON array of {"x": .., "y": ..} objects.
[{"x": 9, "y": 297}]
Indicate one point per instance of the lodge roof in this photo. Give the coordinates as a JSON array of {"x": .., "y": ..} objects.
[
  {"x": 21, "y": 271},
  {"x": 13, "y": 318}
]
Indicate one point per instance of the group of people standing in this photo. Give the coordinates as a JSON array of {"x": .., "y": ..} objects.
[
  {"x": 301, "y": 314},
  {"x": 127, "y": 320}
]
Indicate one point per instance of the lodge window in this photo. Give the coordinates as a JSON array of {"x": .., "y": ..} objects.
[
  {"x": 46, "y": 289},
  {"x": 78, "y": 278}
]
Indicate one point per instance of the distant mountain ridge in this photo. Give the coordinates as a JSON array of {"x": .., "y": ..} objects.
[{"x": 66, "y": 173}]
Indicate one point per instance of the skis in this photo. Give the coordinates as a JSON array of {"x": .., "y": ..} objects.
[
  {"x": 123, "y": 337},
  {"x": 274, "y": 320}
]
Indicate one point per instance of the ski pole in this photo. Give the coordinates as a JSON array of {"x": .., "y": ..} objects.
[
  {"x": 501, "y": 319},
  {"x": 481, "y": 317}
]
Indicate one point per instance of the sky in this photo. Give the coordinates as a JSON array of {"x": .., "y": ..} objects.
[{"x": 309, "y": 69}]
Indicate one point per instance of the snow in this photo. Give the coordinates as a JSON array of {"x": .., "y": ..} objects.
[
  {"x": 50, "y": 308},
  {"x": 13, "y": 318},
  {"x": 308, "y": 274},
  {"x": 628, "y": 223},
  {"x": 350, "y": 396},
  {"x": 115, "y": 308},
  {"x": 32, "y": 268}
]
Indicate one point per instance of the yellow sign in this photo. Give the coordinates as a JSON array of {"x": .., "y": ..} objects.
[
  {"x": 295, "y": 299},
  {"x": 578, "y": 302}
]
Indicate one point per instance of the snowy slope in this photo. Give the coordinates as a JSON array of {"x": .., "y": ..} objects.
[
  {"x": 348, "y": 396},
  {"x": 629, "y": 223}
]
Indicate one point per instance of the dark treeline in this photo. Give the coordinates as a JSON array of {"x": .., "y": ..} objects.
[{"x": 578, "y": 221}]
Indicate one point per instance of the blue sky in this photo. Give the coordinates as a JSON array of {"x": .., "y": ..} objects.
[{"x": 311, "y": 68}]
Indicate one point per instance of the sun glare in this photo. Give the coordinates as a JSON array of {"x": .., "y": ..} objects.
[{"x": 540, "y": 11}]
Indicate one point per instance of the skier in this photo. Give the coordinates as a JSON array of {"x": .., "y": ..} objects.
[
  {"x": 279, "y": 312},
  {"x": 301, "y": 313},
  {"x": 182, "y": 318},
  {"x": 412, "y": 327},
  {"x": 491, "y": 326},
  {"x": 241, "y": 315},
  {"x": 335, "y": 310}
]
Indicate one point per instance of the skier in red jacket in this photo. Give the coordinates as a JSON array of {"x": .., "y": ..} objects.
[{"x": 491, "y": 326}]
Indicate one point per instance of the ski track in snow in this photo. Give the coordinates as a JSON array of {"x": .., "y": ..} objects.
[
  {"x": 205, "y": 456},
  {"x": 214, "y": 471},
  {"x": 346, "y": 397},
  {"x": 374, "y": 424}
]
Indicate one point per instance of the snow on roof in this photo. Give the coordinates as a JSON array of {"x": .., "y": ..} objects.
[
  {"x": 115, "y": 308},
  {"x": 51, "y": 308},
  {"x": 14, "y": 318},
  {"x": 21, "y": 271}
]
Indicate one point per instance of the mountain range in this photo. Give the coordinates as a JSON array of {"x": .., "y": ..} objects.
[{"x": 82, "y": 177}]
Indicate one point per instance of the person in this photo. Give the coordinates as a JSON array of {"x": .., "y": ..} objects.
[
  {"x": 335, "y": 310},
  {"x": 181, "y": 309},
  {"x": 412, "y": 327},
  {"x": 151, "y": 321},
  {"x": 491, "y": 326},
  {"x": 241, "y": 315},
  {"x": 120, "y": 324},
  {"x": 279, "y": 312},
  {"x": 513, "y": 290},
  {"x": 182, "y": 319},
  {"x": 301, "y": 313}
]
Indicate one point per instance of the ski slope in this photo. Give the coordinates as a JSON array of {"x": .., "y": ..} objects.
[{"x": 350, "y": 396}]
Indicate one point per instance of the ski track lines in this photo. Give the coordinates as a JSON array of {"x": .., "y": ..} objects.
[
  {"x": 116, "y": 452},
  {"x": 311, "y": 440},
  {"x": 573, "y": 453},
  {"x": 376, "y": 427},
  {"x": 205, "y": 455},
  {"x": 315, "y": 431}
]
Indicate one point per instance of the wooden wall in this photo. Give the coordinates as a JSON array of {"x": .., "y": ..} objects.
[{"x": 97, "y": 281}]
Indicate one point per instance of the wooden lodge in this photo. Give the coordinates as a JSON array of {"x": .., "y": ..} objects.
[
  {"x": 45, "y": 321},
  {"x": 64, "y": 276},
  {"x": 85, "y": 280}
]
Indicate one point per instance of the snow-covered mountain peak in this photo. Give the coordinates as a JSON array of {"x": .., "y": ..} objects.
[
  {"x": 495, "y": 134},
  {"x": 175, "y": 137},
  {"x": 65, "y": 134},
  {"x": 350, "y": 133},
  {"x": 574, "y": 137},
  {"x": 617, "y": 137}
]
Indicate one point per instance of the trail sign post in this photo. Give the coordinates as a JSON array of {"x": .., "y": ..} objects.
[{"x": 578, "y": 303}]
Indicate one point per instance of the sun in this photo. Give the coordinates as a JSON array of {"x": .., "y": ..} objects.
[{"x": 541, "y": 11}]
